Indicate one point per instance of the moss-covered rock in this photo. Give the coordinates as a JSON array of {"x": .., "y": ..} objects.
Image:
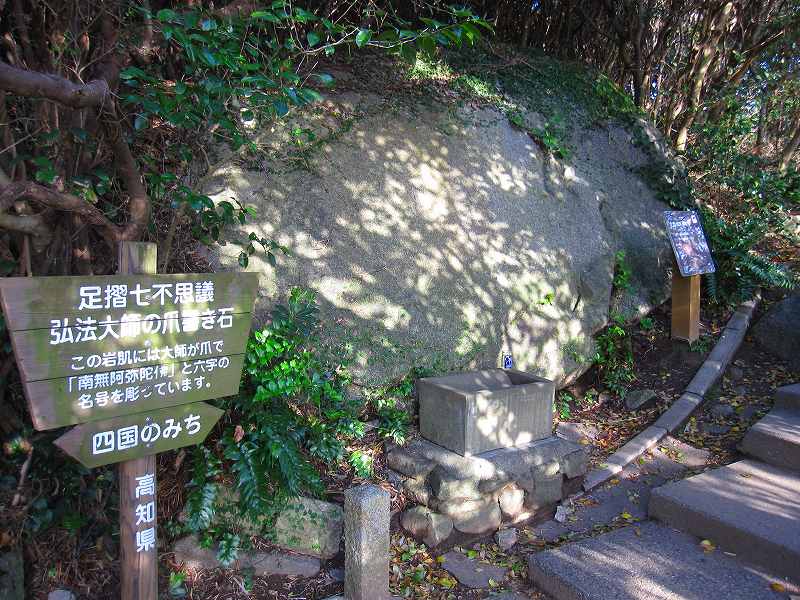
[{"x": 439, "y": 227}]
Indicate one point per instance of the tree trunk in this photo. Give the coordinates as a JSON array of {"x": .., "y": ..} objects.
[
  {"x": 762, "y": 119},
  {"x": 790, "y": 148},
  {"x": 706, "y": 56}
]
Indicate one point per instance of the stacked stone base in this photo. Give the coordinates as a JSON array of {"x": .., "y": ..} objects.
[{"x": 478, "y": 494}]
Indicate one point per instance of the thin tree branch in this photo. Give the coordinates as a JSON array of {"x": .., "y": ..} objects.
[
  {"x": 30, "y": 224},
  {"x": 23, "y": 475}
]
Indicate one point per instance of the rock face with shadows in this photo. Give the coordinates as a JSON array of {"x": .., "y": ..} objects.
[
  {"x": 779, "y": 330},
  {"x": 451, "y": 233}
]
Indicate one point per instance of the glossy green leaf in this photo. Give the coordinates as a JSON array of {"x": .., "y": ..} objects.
[
  {"x": 363, "y": 37},
  {"x": 265, "y": 15}
]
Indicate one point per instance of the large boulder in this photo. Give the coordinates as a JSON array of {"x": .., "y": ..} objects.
[
  {"x": 779, "y": 330},
  {"x": 449, "y": 232}
]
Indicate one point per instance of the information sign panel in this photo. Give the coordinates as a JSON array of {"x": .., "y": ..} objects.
[{"x": 688, "y": 242}]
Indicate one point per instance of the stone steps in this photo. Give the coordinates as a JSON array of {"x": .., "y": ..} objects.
[
  {"x": 749, "y": 508},
  {"x": 788, "y": 397},
  {"x": 649, "y": 562},
  {"x": 775, "y": 439}
]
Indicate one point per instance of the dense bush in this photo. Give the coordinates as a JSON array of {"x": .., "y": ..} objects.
[
  {"x": 614, "y": 356},
  {"x": 292, "y": 418},
  {"x": 108, "y": 116},
  {"x": 746, "y": 199},
  {"x": 741, "y": 267}
]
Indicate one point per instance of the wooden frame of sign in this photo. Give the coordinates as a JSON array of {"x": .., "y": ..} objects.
[
  {"x": 691, "y": 258},
  {"x": 129, "y": 358}
]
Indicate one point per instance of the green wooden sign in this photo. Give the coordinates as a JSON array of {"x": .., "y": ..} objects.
[
  {"x": 85, "y": 398},
  {"x": 134, "y": 436},
  {"x": 91, "y": 348},
  {"x": 34, "y": 302},
  {"x": 41, "y": 353}
]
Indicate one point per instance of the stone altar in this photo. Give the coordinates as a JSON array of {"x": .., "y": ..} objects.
[
  {"x": 478, "y": 411},
  {"x": 489, "y": 456}
]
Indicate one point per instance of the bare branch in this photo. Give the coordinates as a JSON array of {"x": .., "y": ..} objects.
[
  {"x": 33, "y": 225},
  {"x": 33, "y": 192},
  {"x": 139, "y": 203},
  {"x": 31, "y": 84}
]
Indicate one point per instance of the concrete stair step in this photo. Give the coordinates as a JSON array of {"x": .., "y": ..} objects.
[
  {"x": 788, "y": 397},
  {"x": 748, "y": 507},
  {"x": 775, "y": 439},
  {"x": 649, "y": 562}
]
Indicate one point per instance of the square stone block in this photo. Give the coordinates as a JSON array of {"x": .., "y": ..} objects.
[{"x": 474, "y": 412}]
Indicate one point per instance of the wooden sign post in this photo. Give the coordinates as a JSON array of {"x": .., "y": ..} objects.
[
  {"x": 685, "y": 305},
  {"x": 129, "y": 359},
  {"x": 137, "y": 479},
  {"x": 691, "y": 258}
]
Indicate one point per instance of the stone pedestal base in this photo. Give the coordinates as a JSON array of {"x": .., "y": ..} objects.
[{"x": 481, "y": 492}]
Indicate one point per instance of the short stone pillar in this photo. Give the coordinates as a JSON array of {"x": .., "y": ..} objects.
[{"x": 366, "y": 543}]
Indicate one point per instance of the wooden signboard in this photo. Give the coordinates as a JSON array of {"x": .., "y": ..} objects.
[
  {"x": 90, "y": 348},
  {"x": 130, "y": 358},
  {"x": 692, "y": 258},
  {"x": 124, "y": 438}
]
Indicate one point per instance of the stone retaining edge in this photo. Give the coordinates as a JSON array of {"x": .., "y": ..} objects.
[{"x": 676, "y": 415}]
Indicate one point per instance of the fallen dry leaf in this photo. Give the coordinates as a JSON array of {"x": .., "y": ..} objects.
[{"x": 707, "y": 546}]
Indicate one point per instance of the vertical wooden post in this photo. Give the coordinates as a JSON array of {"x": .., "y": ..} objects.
[
  {"x": 137, "y": 480},
  {"x": 685, "y": 305}
]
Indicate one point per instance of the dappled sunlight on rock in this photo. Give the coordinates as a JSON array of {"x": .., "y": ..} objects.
[{"x": 456, "y": 235}]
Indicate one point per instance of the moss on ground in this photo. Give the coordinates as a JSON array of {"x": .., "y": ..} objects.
[{"x": 566, "y": 94}]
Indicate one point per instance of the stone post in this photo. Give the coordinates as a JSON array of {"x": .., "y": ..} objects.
[{"x": 366, "y": 543}]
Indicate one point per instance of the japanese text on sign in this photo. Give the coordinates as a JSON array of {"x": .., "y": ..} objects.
[
  {"x": 133, "y": 325},
  {"x": 130, "y": 436},
  {"x": 125, "y": 358},
  {"x": 145, "y": 512},
  {"x": 159, "y": 380},
  {"x": 95, "y": 297}
]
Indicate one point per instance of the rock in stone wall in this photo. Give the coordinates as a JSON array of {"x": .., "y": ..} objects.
[
  {"x": 452, "y": 233},
  {"x": 474, "y": 495}
]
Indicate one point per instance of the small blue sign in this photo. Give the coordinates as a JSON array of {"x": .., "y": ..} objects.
[{"x": 508, "y": 361}]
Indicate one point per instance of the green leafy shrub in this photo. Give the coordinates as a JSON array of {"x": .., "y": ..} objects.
[
  {"x": 361, "y": 462},
  {"x": 291, "y": 419},
  {"x": 622, "y": 272},
  {"x": 702, "y": 345},
  {"x": 647, "y": 324},
  {"x": 291, "y": 413},
  {"x": 562, "y": 405},
  {"x": 614, "y": 356},
  {"x": 741, "y": 267}
]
